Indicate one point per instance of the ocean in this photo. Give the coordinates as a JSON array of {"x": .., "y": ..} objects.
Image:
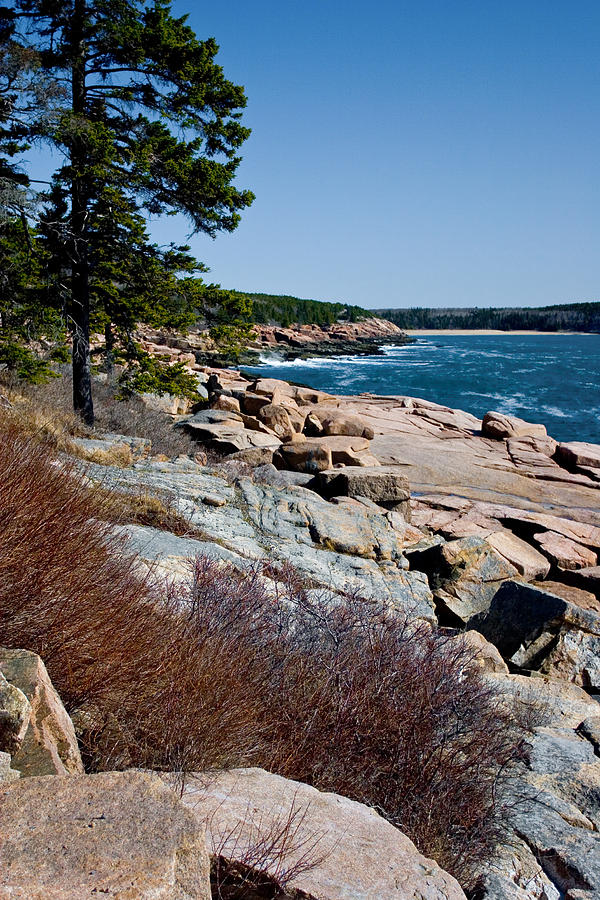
[{"x": 548, "y": 378}]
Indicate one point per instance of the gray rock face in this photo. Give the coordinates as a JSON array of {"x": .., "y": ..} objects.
[
  {"x": 553, "y": 850},
  {"x": 348, "y": 546},
  {"x": 357, "y": 854},
  {"x": 119, "y": 834},
  {"x": 537, "y": 629},
  {"x": 49, "y": 745}
]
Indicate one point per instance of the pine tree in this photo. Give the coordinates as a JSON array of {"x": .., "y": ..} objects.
[{"x": 143, "y": 118}]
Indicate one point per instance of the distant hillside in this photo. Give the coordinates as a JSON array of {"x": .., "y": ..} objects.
[
  {"x": 274, "y": 309},
  {"x": 565, "y": 317}
]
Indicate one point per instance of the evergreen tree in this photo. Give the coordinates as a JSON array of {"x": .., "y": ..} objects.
[{"x": 145, "y": 122}]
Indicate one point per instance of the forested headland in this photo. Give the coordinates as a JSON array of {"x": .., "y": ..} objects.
[{"x": 284, "y": 310}]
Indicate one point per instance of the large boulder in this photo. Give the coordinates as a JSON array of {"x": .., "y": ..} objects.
[
  {"x": 312, "y": 454},
  {"x": 252, "y": 403},
  {"x": 338, "y": 421},
  {"x": 385, "y": 485},
  {"x": 208, "y": 417},
  {"x": 283, "y": 420},
  {"x": 579, "y": 454},
  {"x": 119, "y": 834},
  {"x": 536, "y": 629},
  {"x": 226, "y": 403},
  {"x": 266, "y": 387},
  {"x": 465, "y": 575},
  {"x": 309, "y": 456},
  {"x": 497, "y": 426},
  {"x": 333, "y": 847},
  {"x": 528, "y": 562},
  {"x": 49, "y": 746}
]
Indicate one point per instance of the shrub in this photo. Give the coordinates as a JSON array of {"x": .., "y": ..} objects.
[{"x": 233, "y": 668}]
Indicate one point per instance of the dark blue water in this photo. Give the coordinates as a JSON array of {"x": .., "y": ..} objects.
[{"x": 554, "y": 379}]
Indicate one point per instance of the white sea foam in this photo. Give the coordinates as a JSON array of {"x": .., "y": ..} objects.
[{"x": 556, "y": 412}]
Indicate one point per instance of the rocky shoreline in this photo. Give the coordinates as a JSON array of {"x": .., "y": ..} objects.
[
  {"x": 365, "y": 337},
  {"x": 488, "y": 529}
]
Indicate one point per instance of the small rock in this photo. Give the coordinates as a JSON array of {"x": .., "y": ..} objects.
[{"x": 497, "y": 426}]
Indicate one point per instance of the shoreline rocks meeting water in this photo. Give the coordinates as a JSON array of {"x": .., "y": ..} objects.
[{"x": 487, "y": 528}]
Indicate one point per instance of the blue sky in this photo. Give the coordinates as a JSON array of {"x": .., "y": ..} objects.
[
  {"x": 423, "y": 153},
  {"x": 430, "y": 153}
]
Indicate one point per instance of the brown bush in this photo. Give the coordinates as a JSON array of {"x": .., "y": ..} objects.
[
  {"x": 398, "y": 716},
  {"x": 233, "y": 669},
  {"x": 148, "y": 678}
]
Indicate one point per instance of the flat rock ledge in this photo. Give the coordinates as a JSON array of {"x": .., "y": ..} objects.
[{"x": 120, "y": 834}]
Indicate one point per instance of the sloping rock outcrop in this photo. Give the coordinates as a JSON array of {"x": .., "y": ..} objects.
[
  {"x": 346, "y": 546},
  {"x": 339, "y": 848}
]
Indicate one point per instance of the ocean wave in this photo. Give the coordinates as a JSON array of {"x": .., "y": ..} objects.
[{"x": 556, "y": 412}]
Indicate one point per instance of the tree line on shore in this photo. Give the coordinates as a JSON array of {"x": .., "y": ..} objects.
[
  {"x": 281, "y": 309},
  {"x": 583, "y": 317}
]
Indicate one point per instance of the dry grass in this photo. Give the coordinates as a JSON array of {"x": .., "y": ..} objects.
[
  {"x": 143, "y": 508},
  {"x": 222, "y": 671},
  {"x": 117, "y": 455},
  {"x": 255, "y": 859},
  {"x": 48, "y": 410}
]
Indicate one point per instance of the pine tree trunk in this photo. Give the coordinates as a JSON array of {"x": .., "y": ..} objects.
[{"x": 80, "y": 277}]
